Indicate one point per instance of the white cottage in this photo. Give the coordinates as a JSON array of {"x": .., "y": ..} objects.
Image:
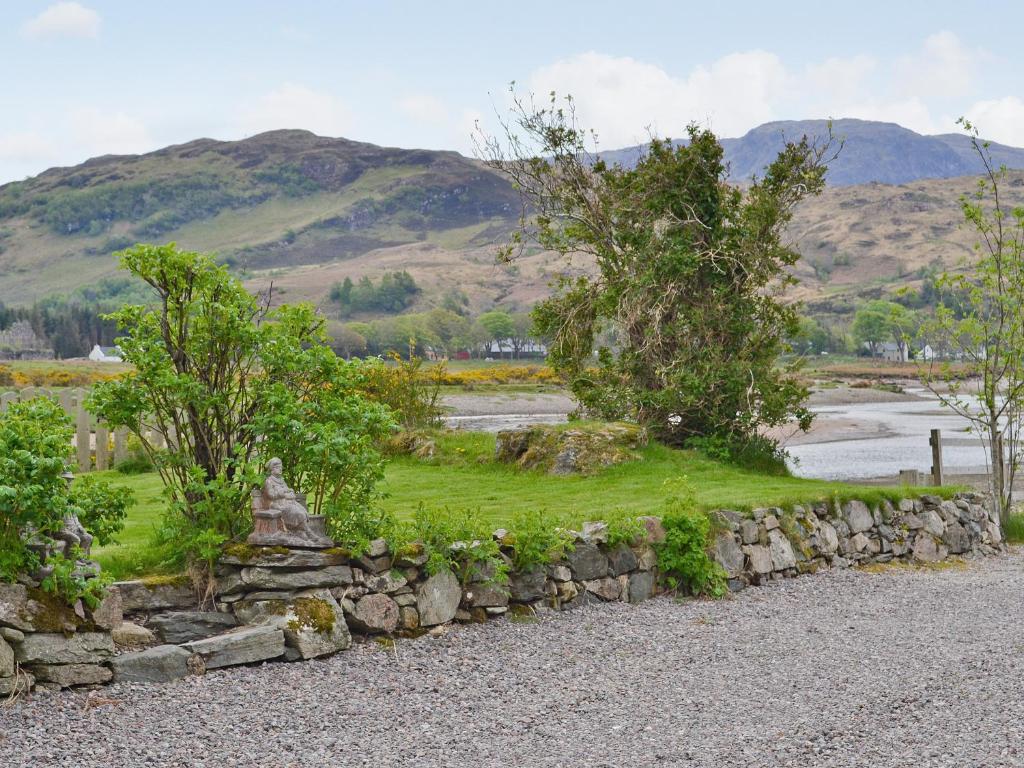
[{"x": 105, "y": 354}]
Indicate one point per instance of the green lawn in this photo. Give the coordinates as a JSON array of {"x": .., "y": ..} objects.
[{"x": 463, "y": 476}]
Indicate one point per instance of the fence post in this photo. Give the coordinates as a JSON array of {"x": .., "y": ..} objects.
[
  {"x": 910, "y": 477},
  {"x": 82, "y": 438},
  {"x": 102, "y": 447},
  {"x": 935, "y": 441},
  {"x": 120, "y": 445}
]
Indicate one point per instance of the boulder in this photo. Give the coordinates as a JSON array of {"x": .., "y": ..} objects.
[
  {"x": 826, "y": 539},
  {"x": 239, "y": 646},
  {"x": 20, "y": 683},
  {"x": 925, "y": 549},
  {"x": 68, "y": 675},
  {"x": 641, "y": 586},
  {"x": 595, "y": 532},
  {"x": 110, "y": 612},
  {"x": 654, "y": 531},
  {"x": 859, "y": 542},
  {"x": 621, "y": 559},
  {"x": 560, "y": 573},
  {"x": 49, "y": 648},
  {"x": 857, "y": 515},
  {"x": 606, "y": 588},
  {"x": 275, "y": 578},
  {"x": 160, "y": 664},
  {"x": 781, "y": 551},
  {"x": 282, "y": 557},
  {"x": 32, "y": 610},
  {"x": 587, "y": 562},
  {"x": 956, "y": 538},
  {"x": 375, "y": 613},
  {"x": 130, "y": 635},
  {"x": 315, "y": 626},
  {"x": 6, "y": 659},
  {"x": 437, "y": 599},
  {"x": 139, "y": 596},
  {"x": 932, "y": 522},
  {"x": 486, "y": 596},
  {"x": 387, "y": 582},
  {"x": 527, "y": 586},
  {"x": 760, "y": 558},
  {"x": 748, "y": 531},
  {"x": 562, "y": 450},
  {"x": 728, "y": 554},
  {"x": 185, "y": 626}
]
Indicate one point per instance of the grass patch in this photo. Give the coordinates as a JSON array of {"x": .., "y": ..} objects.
[
  {"x": 462, "y": 475},
  {"x": 1014, "y": 529}
]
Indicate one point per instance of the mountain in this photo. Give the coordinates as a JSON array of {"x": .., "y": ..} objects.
[
  {"x": 303, "y": 212},
  {"x": 871, "y": 152},
  {"x": 273, "y": 201}
]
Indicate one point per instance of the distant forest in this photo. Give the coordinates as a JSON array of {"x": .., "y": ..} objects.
[{"x": 73, "y": 324}]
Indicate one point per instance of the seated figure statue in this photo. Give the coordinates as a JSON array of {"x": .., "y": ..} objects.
[
  {"x": 280, "y": 517},
  {"x": 73, "y": 534}
]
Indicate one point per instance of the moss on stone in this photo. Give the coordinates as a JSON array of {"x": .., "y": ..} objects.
[
  {"x": 312, "y": 613},
  {"x": 165, "y": 580},
  {"x": 246, "y": 552}
]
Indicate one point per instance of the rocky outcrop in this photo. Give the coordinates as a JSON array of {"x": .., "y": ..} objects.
[{"x": 562, "y": 450}]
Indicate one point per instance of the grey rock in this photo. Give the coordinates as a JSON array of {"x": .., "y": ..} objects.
[
  {"x": 239, "y": 646},
  {"x": 272, "y": 578},
  {"x": 438, "y": 598},
  {"x": 912, "y": 521},
  {"x": 932, "y": 522},
  {"x": 771, "y": 522},
  {"x": 69, "y": 675},
  {"x": 160, "y": 664},
  {"x": 12, "y": 635},
  {"x": 185, "y": 626},
  {"x": 6, "y": 659},
  {"x": 606, "y": 588},
  {"x": 387, "y": 582},
  {"x": 781, "y": 551},
  {"x": 595, "y": 532},
  {"x": 587, "y": 562},
  {"x": 560, "y": 573},
  {"x": 486, "y": 595},
  {"x": 20, "y": 683},
  {"x": 375, "y": 613},
  {"x": 646, "y": 557},
  {"x": 408, "y": 617},
  {"x": 404, "y": 600},
  {"x": 137, "y": 597},
  {"x": 857, "y": 515},
  {"x": 48, "y": 648},
  {"x": 826, "y": 540},
  {"x": 20, "y": 611},
  {"x": 760, "y": 558},
  {"x": 859, "y": 542},
  {"x": 306, "y": 639},
  {"x": 641, "y": 586},
  {"x": 527, "y": 586},
  {"x": 375, "y": 564},
  {"x": 110, "y": 612},
  {"x": 131, "y": 635},
  {"x": 956, "y": 538},
  {"x": 748, "y": 531},
  {"x": 296, "y": 558},
  {"x": 727, "y": 553},
  {"x": 925, "y": 549},
  {"x": 621, "y": 559}
]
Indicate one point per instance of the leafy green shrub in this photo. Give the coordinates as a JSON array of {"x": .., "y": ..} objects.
[
  {"x": 683, "y": 557},
  {"x": 756, "y": 453},
  {"x": 138, "y": 461},
  {"x": 411, "y": 393},
  {"x": 35, "y": 444},
  {"x": 457, "y": 541},
  {"x": 538, "y": 538},
  {"x": 624, "y": 527}
]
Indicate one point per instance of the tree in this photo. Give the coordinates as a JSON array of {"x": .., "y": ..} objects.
[
  {"x": 213, "y": 370},
  {"x": 871, "y": 325},
  {"x": 689, "y": 271},
  {"x": 985, "y": 328},
  {"x": 446, "y": 326},
  {"x": 522, "y": 329},
  {"x": 499, "y": 325}
]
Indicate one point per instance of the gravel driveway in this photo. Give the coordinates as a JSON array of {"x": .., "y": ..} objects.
[{"x": 902, "y": 668}]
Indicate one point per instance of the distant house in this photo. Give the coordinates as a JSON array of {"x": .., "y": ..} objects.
[
  {"x": 927, "y": 353},
  {"x": 528, "y": 349},
  {"x": 20, "y": 342},
  {"x": 893, "y": 352},
  {"x": 105, "y": 354}
]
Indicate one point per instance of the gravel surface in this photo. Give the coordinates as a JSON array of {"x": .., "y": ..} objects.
[{"x": 900, "y": 668}]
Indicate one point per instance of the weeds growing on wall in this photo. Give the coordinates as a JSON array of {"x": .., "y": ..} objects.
[{"x": 683, "y": 558}]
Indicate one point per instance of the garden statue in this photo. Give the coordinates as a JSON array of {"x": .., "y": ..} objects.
[
  {"x": 280, "y": 518},
  {"x": 72, "y": 535}
]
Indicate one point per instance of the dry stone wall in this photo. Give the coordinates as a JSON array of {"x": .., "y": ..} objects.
[{"x": 288, "y": 605}]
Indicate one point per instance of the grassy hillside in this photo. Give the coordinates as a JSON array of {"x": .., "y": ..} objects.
[{"x": 303, "y": 212}]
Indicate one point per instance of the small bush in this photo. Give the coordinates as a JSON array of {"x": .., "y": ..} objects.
[
  {"x": 458, "y": 541},
  {"x": 138, "y": 461},
  {"x": 683, "y": 557},
  {"x": 412, "y": 393},
  {"x": 537, "y": 539}
]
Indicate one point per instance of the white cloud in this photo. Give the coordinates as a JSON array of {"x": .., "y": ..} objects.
[
  {"x": 66, "y": 19},
  {"x": 297, "y": 106},
  {"x": 621, "y": 97},
  {"x": 1001, "y": 120},
  {"x": 100, "y": 132},
  {"x": 943, "y": 68},
  {"x": 423, "y": 108}
]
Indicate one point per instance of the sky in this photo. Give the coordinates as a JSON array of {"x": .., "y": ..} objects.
[{"x": 81, "y": 79}]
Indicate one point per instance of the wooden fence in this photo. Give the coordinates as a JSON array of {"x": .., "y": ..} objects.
[{"x": 96, "y": 446}]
